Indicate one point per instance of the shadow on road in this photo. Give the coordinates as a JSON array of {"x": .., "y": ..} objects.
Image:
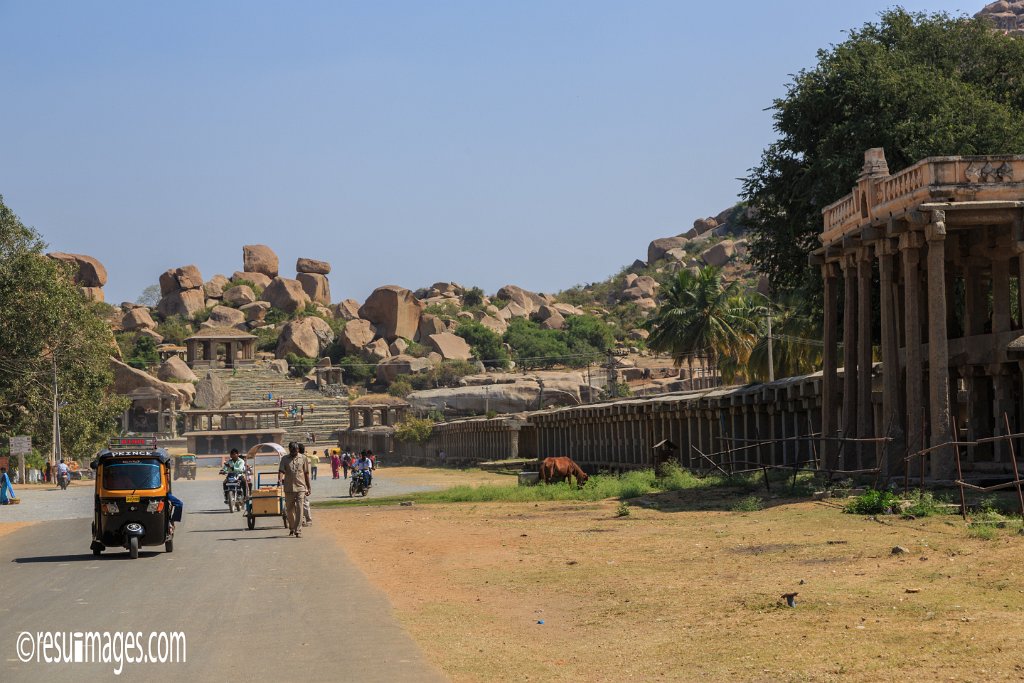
[{"x": 86, "y": 557}]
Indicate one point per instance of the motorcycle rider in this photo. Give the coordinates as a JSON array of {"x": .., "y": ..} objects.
[
  {"x": 235, "y": 466},
  {"x": 63, "y": 471},
  {"x": 365, "y": 467}
]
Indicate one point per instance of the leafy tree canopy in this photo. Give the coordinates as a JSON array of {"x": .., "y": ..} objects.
[
  {"x": 916, "y": 85},
  {"x": 485, "y": 343},
  {"x": 46, "y": 322}
]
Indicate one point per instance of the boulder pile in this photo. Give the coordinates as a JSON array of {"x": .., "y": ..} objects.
[
  {"x": 181, "y": 292},
  {"x": 87, "y": 273}
]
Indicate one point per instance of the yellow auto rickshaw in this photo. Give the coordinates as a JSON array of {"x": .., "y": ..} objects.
[{"x": 134, "y": 505}]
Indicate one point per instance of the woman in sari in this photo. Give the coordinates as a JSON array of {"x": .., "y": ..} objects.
[
  {"x": 6, "y": 490},
  {"x": 335, "y": 463}
]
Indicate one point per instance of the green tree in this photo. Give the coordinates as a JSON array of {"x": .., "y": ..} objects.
[
  {"x": 701, "y": 315},
  {"x": 150, "y": 296},
  {"x": 534, "y": 347},
  {"x": 144, "y": 354},
  {"x": 46, "y": 324},
  {"x": 485, "y": 343},
  {"x": 474, "y": 296},
  {"x": 916, "y": 85},
  {"x": 588, "y": 335},
  {"x": 796, "y": 341}
]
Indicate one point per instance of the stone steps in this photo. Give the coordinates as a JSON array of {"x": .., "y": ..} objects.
[{"x": 249, "y": 389}]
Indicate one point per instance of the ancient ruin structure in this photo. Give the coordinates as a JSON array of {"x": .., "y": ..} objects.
[
  {"x": 215, "y": 347},
  {"x": 218, "y": 431},
  {"x": 926, "y": 260}
]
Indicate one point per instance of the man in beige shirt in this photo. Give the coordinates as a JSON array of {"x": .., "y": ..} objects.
[{"x": 293, "y": 474}]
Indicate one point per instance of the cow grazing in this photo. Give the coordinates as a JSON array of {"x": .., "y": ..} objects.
[{"x": 562, "y": 469}]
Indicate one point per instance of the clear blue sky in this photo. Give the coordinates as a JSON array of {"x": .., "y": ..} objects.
[{"x": 536, "y": 143}]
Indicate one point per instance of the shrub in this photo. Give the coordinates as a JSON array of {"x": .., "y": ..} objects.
[
  {"x": 275, "y": 316},
  {"x": 926, "y": 504},
  {"x": 266, "y": 338},
  {"x": 299, "y": 366},
  {"x": 256, "y": 289},
  {"x": 174, "y": 330},
  {"x": 622, "y": 510},
  {"x": 748, "y": 504},
  {"x": 474, "y": 296},
  {"x": 202, "y": 316},
  {"x": 534, "y": 347},
  {"x": 486, "y": 344},
  {"x": 447, "y": 374},
  {"x": 589, "y": 335},
  {"x": 873, "y": 502},
  {"x": 356, "y": 370},
  {"x": 447, "y": 310},
  {"x": 144, "y": 354},
  {"x": 414, "y": 429},
  {"x": 401, "y": 388}
]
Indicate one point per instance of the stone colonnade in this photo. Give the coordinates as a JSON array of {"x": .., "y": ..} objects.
[
  {"x": 944, "y": 241},
  {"x": 621, "y": 435},
  {"x": 384, "y": 415}
]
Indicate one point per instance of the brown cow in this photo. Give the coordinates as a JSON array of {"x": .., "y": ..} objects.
[{"x": 562, "y": 469}]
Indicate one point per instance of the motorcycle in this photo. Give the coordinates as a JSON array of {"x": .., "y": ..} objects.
[
  {"x": 359, "y": 484},
  {"x": 63, "y": 480},
  {"x": 234, "y": 491}
]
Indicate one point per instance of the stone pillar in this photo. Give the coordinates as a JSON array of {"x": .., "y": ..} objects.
[
  {"x": 892, "y": 407},
  {"x": 910, "y": 246},
  {"x": 830, "y": 376},
  {"x": 850, "y": 393},
  {"x": 865, "y": 413},
  {"x": 942, "y": 464},
  {"x": 1000, "y": 295},
  {"x": 1002, "y": 403}
]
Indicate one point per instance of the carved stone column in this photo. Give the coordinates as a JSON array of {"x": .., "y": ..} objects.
[
  {"x": 865, "y": 413},
  {"x": 1000, "y": 295},
  {"x": 830, "y": 376},
  {"x": 942, "y": 464},
  {"x": 910, "y": 247},
  {"x": 850, "y": 394},
  {"x": 892, "y": 406}
]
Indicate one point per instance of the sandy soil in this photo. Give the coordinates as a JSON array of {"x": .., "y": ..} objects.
[
  {"x": 9, "y": 527},
  {"x": 692, "y": 593}
]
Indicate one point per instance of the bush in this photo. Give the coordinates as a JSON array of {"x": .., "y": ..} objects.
[
  {"x": 447, "y": 310},
  {"x": 174, "y": 330},
  {"x": 873, "y": 502},
  {"x": 486, "y": 344},
  {"x": 299, "y": 366},
  {"x": 474, "y": 296},
  {"x": 266, "y": 338},
  {"x": 414, "y": 429},
  {"x": 275, "y": 316},
  {"x": 622, "y": 510},
  {"x": 144, "y": 354},
  {"x": 534, "y": 347},
  {"x": 401, "y": 388},
  {"x": 748, "y": 504},
  {"x": 447, "y": 374},
  {"x": 588, "y": 335},
  {"x": 256, "y": 289},
  {"x": 356, "y": 370}
]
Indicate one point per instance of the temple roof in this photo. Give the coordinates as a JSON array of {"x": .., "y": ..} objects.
[{"x": 220, "y": 333}]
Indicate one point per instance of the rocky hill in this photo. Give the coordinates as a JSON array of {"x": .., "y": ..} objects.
[
  {"x": 443, "y": 336},
  {"x": 1007, "y": 15}
]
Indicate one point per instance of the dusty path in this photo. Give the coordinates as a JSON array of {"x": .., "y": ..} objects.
[
  {"x": 693, "y": 594},
  {"x": 253, "y": 605}
]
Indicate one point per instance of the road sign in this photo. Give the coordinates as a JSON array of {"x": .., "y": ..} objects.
[{"x": 21, "y": 445}]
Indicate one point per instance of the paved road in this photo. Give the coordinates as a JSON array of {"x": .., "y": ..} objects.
[{"x": 253, "y": 605}]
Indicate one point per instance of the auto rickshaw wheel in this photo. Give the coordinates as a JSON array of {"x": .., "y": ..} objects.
[
  {"x": 251, "y": 522},
  {"x": 169, "y": 545},
  {"x": 133, "y": 547}
]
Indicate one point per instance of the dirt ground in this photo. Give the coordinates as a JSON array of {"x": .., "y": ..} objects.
[
  {"x": 8, "y": 527},
  {"x": 691, "y": 590}
]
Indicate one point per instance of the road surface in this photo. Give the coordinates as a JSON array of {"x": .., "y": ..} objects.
[{"x": 252, "y": 605}]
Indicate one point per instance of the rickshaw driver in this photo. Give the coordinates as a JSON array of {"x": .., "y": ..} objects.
[{"x": 237, "y": 466}]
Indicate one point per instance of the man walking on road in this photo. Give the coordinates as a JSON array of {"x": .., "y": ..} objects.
[{"x": 293, "y": 474}]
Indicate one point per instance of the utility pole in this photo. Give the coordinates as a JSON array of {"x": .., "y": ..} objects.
[
  {"x": 771, "y": 360},
  {"x": 55, "y": 449}
]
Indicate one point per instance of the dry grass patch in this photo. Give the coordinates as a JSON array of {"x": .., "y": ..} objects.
[{"x": 692, "y": 594}]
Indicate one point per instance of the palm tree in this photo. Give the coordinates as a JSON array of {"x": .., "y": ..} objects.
[
  {"x": 702, "y": 316},
  {"x": 796, "y": 340}
]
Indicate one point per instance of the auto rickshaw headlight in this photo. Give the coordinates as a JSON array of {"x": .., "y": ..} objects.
[
  {"x": 110, "y": 508},
  {"x": 155, "y": 506}
]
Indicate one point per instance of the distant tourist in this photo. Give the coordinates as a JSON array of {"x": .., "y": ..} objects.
[
  {"x": 293, "y": 473},
  {"x": 335, "y": 464},
  {"x": 6, "y": 490},
  {"x": 346, "y": 461},
  {"x": 307, "y": 518}
]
